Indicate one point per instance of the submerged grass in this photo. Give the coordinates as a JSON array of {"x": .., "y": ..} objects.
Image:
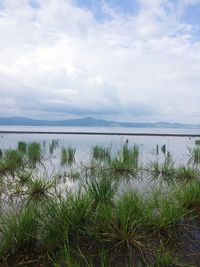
[
  {"x": 101, "y": 153},
  {"x": 68, "y": 156},
  {"x": 34, "y": 152},
  {"x": 22, "y": 147},
  {"x": 127, "y": 160}
]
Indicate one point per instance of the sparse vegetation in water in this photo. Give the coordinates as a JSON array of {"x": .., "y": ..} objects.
[
  {"x": 163, "y": 148},
  {"x": 34, "y": 153},
  {"x": 187, "y": 173},
  {"x": 54, "y": 144},
  {"x": 22, "y": 147},
  {"x": 68, "y": 156},
  {"x": 101, "y": 153},
  {"x": 126, "y": 161},
  {"x": 195, "y": 155},
  {"x": 39, "y": 189},
  {"x": 197, "y": 142},
  {"x": 11, "y": 161},
  {"x": 1, "y": 153},
  {"x": 100, "y": 222}
]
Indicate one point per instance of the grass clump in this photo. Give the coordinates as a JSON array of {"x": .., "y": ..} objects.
[
  {"x": 100, "y": 153},
  {"x": 189, "y": 196},
  {"x": 164, "y": 171},
  {"x": 54, "y": 144},
  {"x": 127, "y": 160},
  {"x": 195, "y": 155},
  {"x": 166, "y": 212},
  {"x": 11, "y": 161},
  {"x": 68, "y": 156},
  {"x": 197, "y": 142},
  {"x": 101, "y": 188},
  {"x": 64, "y": 221},
  {"x": 39, "y": 189},
  {"x": 34, "y": 153},
  {"x": 22, "y": 147},
  {"x": 186, "y": 173},
  {"x": 18, "y": 230}
]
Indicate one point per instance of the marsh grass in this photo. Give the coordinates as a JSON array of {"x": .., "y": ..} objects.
[
  {"x": 187, "y": 173},
  {"x": 101, "y": 188},
  {"x": 166, "y": 213},
  {"x": 195, "y": 155},
  {"x": 18, "y": 230},
  {"x": 164, "y": 171},
  {"x": 54, "y": 144},
  {"x": 12, "y": 160},
  {"x": 64, "y": 220},
  {"x": 39, "y": 189},
  {"x": 100, "y": 153},
  {"x": 189, "y": 196},
  {"x": 97, "y": 225},
  {"x": 197, "y": 142},
  {"x": 34, "y": 152},
  {"x": 22, "y": 147},
  {"x": 1, "y": 154},
  {"x": 127, "y": 160},
  {"x": 68, "y": 156}
]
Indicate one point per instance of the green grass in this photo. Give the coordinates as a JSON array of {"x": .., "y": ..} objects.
[
  {"x": 39, "y": 189},
  {"x": 164, "y": 171},
  {"x": 68, "y": 156},
  {"x": 101, "y": 153},
  {"x": 127, "y": 160},
  {"x": 98, "y": 224},
  {"x": 54, "y": 144},
  {"x": 101, "y": 188},
  {"x": 22, "y": 147},
  {"x": 187, "y": 173},
  {"x": 11, "y": 161},
  {"x": 195, "y": 155},
  {"x": 34, "y": 153},
  {"x": 18, "y": 230},
  {"x": 197, "y": 142},
  {"x": 189, "y": 196}
]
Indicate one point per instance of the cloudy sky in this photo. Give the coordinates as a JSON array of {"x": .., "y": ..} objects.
[{"x": 128, "y": 60}]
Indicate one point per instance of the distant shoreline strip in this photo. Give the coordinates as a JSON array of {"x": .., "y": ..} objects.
[{"x": 101, "y": 133}]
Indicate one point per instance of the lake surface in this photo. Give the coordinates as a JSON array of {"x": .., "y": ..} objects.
[{"x": 177, "y": 146}]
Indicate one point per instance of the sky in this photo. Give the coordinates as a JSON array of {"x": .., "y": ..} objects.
[{"x": 123, "y": 60}]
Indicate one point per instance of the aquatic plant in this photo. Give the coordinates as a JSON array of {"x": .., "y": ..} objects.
[
  {"x": 54, "y": 144},
  {"x": 127, "y": 160},
  {"x": 68, "y": 156},
  {"x": 34, "y": 153},
  {"x": 39, "y": 189},
  {"x": 101, "y": 188},
  {"x": 22, "y": 146},
  {"x": 101, "y": 153},
  {"x": 186, "y": 173},
  {"x": 195, "y": 154},
  {"x": 163, "y": 148},
  {"x": 11, "y": 161},
  {"x": 197, "y": 142}
]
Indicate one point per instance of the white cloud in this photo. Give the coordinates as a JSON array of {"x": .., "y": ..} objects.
[{"x": 58, "y": 59}]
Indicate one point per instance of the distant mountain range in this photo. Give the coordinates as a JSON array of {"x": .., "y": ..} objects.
[{"x": 90, "y": 122}]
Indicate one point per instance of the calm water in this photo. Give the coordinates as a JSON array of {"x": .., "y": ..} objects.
[{"x": 178, "y": 146}]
